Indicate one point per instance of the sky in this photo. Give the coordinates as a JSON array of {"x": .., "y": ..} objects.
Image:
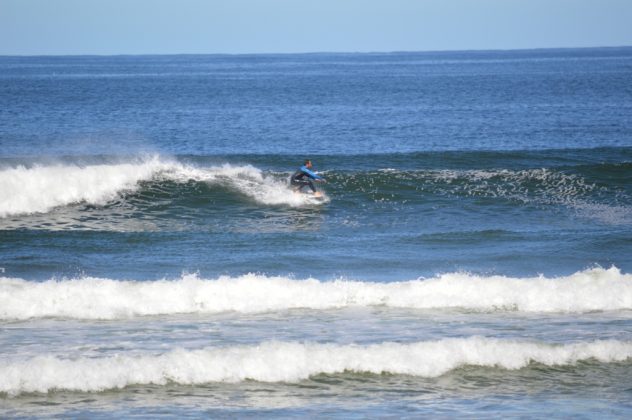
[{"x": 106, "y": 27}]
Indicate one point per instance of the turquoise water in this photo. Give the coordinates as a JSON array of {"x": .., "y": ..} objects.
[{"x": 471, "y": 257}]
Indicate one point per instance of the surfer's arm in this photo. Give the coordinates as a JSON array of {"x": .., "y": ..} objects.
[{"x": 311, "y": 174}]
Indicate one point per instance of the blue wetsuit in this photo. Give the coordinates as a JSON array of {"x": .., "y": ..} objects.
[{"x": 303, "y": 178}]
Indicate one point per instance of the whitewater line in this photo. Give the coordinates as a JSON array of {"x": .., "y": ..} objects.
[
  {"x": 596, "y": 289},
  {"x": 292, "y": 362}
]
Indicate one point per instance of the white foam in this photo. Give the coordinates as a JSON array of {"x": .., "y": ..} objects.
[
  {"x": 251, "y": 182},
  {"x": 538, "y": 186},
  {"x": 291, "y": 362},
  {"x": 40, "y": 188},
  {"x": 96, "y": 298},
  {"x": 544, "y": 186}
]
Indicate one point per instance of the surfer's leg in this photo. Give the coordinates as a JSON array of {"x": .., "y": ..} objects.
[
  {"x": 311, "y": 185},
  {"x": 300, "y": 184},
  {"x": 296, "y": 185}
]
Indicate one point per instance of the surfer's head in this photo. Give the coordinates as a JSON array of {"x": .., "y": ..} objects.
[{"x": 307, "y": 163}]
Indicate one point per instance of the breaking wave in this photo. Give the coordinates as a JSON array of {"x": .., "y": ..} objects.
[
  {"x": 593, "y": 191},
  {"x": 97, "y": 298},
  {"x": 292, "y": 361},
  {"x": 41, "y": 188}
]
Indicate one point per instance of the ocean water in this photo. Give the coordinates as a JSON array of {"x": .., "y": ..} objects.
[{"x": 472, "y": 256}]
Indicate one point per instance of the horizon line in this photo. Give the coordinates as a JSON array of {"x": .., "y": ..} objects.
[{"x": 323, "y": 52}]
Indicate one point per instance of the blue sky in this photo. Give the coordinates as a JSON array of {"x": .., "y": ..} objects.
[{"x": 34, "y": 27}]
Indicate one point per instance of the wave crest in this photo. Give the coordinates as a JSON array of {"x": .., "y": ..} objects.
[
  {"x": 291, "y": 362},
  {"x": 41, "y": 188},
  {"x": 95, "y": 298}
]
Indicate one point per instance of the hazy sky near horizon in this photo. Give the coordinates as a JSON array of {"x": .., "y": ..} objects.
[{"x": 55, "y": 27}]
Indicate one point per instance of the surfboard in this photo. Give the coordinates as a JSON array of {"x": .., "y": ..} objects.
[{"x": 317, "y": 197}]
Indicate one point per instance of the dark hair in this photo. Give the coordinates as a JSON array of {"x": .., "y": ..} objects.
[{"x": 307, "y": 161}]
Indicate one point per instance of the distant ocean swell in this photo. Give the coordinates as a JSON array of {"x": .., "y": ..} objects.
[
  {"x": 293, "y": 361},
  {"x": 40, "y": 188},
  {"x": 94, "y": 298}
]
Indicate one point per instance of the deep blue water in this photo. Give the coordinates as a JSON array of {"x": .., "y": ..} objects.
[{"x": 477, "y": 171}]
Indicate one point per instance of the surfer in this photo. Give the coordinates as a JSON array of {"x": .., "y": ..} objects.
[{"x": 304, "y": 177}]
